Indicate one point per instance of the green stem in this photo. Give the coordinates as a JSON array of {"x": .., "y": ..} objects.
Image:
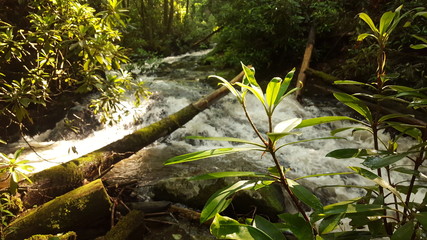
[{"x": 253, "y": 125}]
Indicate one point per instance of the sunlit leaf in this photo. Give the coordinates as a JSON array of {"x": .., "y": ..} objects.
[
  {"x": 220, "y": 200},
  {"x": 287, "y": 125},
  {"x": 307, "y": 140},
  {"x": 365, "y": 17},
  {"x": 284, "y": 86},
  {"x": 205, "y": 154},
  {"x": 228, "y": 228},
  {"x": 385, "y": 21},
  {"x": 271, "y": 94},
  {"x": 228, "y": 86},
  {"x": 256, "y": 91},
  {"x": 321, "y": 120},
  {"x": 356, "y": 104},
  {"x": 227, "y": 139},
  {"x": 362, "y": 36}
]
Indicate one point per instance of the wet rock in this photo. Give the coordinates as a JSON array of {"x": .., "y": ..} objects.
[{"x": 268, "y": 201}]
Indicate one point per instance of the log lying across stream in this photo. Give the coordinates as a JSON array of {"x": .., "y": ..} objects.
[{"x": 60, "y": 179}]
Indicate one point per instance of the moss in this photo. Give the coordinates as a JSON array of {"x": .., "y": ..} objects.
[
  {"x": 128, "y": 227},
  {"x": 77, "y": 209},
  {"x": 66, "y": 236}
]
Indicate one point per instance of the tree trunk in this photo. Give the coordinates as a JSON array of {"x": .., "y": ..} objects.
[
  {"x": 207, "y": 37},
  {"x": 78, "y": 210},
  {"x": 305, "y": 62},
  {"x": 171, "y": 14},
  {"x": 165, "y": 15},
  {"x": 60, "y": 179}
]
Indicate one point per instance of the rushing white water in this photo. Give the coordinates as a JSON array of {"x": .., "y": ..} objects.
[{"x": 225, "y": 118}]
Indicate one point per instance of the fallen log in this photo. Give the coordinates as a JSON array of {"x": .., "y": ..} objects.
[
  {"x": 62, "y": 178},
  {"x": 385, "y": 106},
  {"x": 207, "y": 37},
  {"x": 78, "y": 210},
  {"x": 305, "y": 62}
]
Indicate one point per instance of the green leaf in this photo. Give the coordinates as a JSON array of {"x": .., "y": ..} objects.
[
  {"x": 268, "y": 228},
  {"x": 228, "y": 86},
  {"x": 365, "y": 17},
  {"x": 375, "y": 178},
  {"x": 283, "y": 129},
  {"x": 351, "y": 82},
  {"x": 271, "y": 94},
  {"x": 385, "y": 21},
  {"x": 220, "y": 200},
  {"x": 307, "y": 140},
  {"x": 287, "y": 125},
  {"x": 250, "y": 75},
  {"x": 323, "y": 174},
  {"x": 284, "y": 86},
  {"x": 355, "y": 104},
  {"x": 216, "y": 175},
  {"x": 329, "y": 223},
  {"x": 274, "y": 137},
  {"x": 227, "y": 139},
  {"x": 334, "y": 209},
  {"x": 362, "y": 36},
  {"x": 205, "y": 154},
  {"x": 228, "y": 228},
  {"x": 320, "y": 120},
  {"x": 256, "y": 91},
  {"x": 297, "y": 225},
  {"x": 304, "y": 195},
  {"x": 422, "y": 218},
  {"x": 391, "y": 116},
  {"x": 349, "y": 153},
  {"x": 404, "y": 232},
  {"x": 418, "y": 46},
  {"x": 375, "y": 162}
]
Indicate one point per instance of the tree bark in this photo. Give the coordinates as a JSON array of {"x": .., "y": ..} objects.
[
  {"x": 305, "y": 62},
  {"x": 62, "y": 178},
  {"x": 75, "y": 211}
]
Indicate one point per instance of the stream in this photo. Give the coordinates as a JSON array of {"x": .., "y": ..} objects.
[{"x": 176, "y": 82}]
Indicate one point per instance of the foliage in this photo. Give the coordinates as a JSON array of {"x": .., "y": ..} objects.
[
  {"x": 388, "y": 209},
  {"x": 165, "y": 27},
  {"x": 402, "y": 215},
  {"x": 63, "y": 46},
  {"x": 15, "y": 169},
  {"x": 270, "y": 142}
]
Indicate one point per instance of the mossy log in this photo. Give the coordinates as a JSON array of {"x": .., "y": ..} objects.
[
  {"x": 130, "y": 227},
  {"x": 385, "y": 107},
  {"x": 78, "y": 210},
  {"x": 62, "y": 178}
]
